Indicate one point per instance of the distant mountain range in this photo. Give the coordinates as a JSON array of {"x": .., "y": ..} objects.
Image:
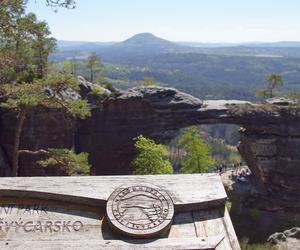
[
  {"x": 206, "y": 70},
  {"x": 144, "y": 43},
  {"x": 283, "y": 44},
  {"x": 81, "y": 45},
  {"x": 148, "y": 41}
]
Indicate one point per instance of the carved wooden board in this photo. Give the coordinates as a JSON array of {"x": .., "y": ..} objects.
[
  {"x": 40, "y": 220},
  {"x": 95, "y": 190},
  {"x": 205, "y": 243},
  {"x": 70, "y": 212}
]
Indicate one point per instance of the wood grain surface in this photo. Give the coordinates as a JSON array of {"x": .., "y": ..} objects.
[
  {"x": 161, "y": 244},
  {"x": 188, "y": 192},
  {"x": 69, "y": 213}
]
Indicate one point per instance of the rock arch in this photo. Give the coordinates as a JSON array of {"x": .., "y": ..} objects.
[
  {"x": 270, "y": 134},
  {"x": 269, "y": 141}
]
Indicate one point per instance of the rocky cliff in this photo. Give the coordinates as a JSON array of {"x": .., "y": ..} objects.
[
  {"x": 43, "y": 128},
  {"x": 289, "y": 239},
  {"x": 270, "y": 135}
]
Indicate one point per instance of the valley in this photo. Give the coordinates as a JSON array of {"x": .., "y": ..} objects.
[{"x": 234, "y": 72}]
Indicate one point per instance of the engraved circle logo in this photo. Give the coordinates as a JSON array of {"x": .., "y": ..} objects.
[{"x": 140, "y": 210}]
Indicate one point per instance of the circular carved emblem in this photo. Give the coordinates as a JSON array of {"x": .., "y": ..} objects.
[{"x": 140, "y": 210}]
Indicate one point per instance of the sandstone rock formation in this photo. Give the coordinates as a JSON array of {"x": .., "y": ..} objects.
[
  {"x": 270, "y": 135},
  {"x": 4, "y": 167},
  {"x": 44, "y": 128},
  {"x": 289, "y": 239}
]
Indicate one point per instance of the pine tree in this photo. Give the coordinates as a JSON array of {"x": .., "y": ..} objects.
[
  {"x": 274, "y": 81},
  {"x": 94, "y": 65},
  {"x": 73, "y": 164},
  {"x": 49, "y": 92},
  {"x": 25, "y": 43}
]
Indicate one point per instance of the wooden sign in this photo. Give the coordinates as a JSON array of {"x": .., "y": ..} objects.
[
  {"x": 115, "y": 212},
  {"x": 140, "y": 211},
  {"x": 40, "y": 220}
]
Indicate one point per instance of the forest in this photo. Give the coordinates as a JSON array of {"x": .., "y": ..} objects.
[{"x": 207, "y": 73}]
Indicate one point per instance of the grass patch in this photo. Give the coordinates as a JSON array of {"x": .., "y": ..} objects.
[{"x": 244, "y": 243}]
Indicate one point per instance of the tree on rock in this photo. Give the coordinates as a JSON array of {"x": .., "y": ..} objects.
[
  {"x": 197, "y": 158},
  {"x": 274, "y": 81},
  {"x": 151, "y": 158},
  {"x": 50, "y": 92},
  {"x": 94, "y": 66},
  {"x": 25, "y": 45}
]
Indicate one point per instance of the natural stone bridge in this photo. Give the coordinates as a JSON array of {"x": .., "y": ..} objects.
[{"x": 270, "y": 135}]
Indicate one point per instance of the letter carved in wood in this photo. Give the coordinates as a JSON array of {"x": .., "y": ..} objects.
[{"x": 140, "y": 210}]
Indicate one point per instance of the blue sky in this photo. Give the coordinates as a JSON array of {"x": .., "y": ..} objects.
[{"x": 176, "y": 20}]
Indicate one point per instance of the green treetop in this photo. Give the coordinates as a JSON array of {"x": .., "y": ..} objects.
[
  {"x": 51, "y": 92},
  {"x": 25, "y": 43},
  {"x": 70, "y": 4},
  {"x": 73, "y": 164},
  {"x": 197, "y": 158},
  {"x": 151, "y": 157}
]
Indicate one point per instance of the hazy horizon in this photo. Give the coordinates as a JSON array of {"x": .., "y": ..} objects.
[
  {"x": 181, "y": 41},
  {"x": 215, "y": 21}
]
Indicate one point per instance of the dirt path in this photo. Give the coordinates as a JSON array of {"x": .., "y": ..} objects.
[{"x": 232, "y": 184}]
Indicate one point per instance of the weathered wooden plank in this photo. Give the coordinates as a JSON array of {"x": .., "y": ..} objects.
[
  {"x": 231, "y": 236},
  {"x": 188, "y": 192},
  {"x": 161, "y": 244},
  {"x": 213, "y": 222},
  {"x": 183, "y": 226},
  {"x": 69, "y": 213},
  {"x": 37, "y": 220}
]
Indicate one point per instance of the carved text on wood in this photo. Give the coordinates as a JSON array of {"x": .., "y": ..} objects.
[
  {"x": 12, "y": 219},
  {"x": 30, "y": 219}
]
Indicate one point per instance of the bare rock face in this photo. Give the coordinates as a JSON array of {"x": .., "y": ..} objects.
[
  {"x": 162, "y": 98},
  {"x": 271, "y": 148},
  {"x": 270, "y": 141},
  {"x": 4, "y": 167},
  {"x": 154, "y": 112},
  {"x": 276, "y": 238},
  {"x": 289, "y": 239},
  {"x": 275, "y": 161},
  {"x": 43, "y": 128},
  {"x": 280, "y": 101}
]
